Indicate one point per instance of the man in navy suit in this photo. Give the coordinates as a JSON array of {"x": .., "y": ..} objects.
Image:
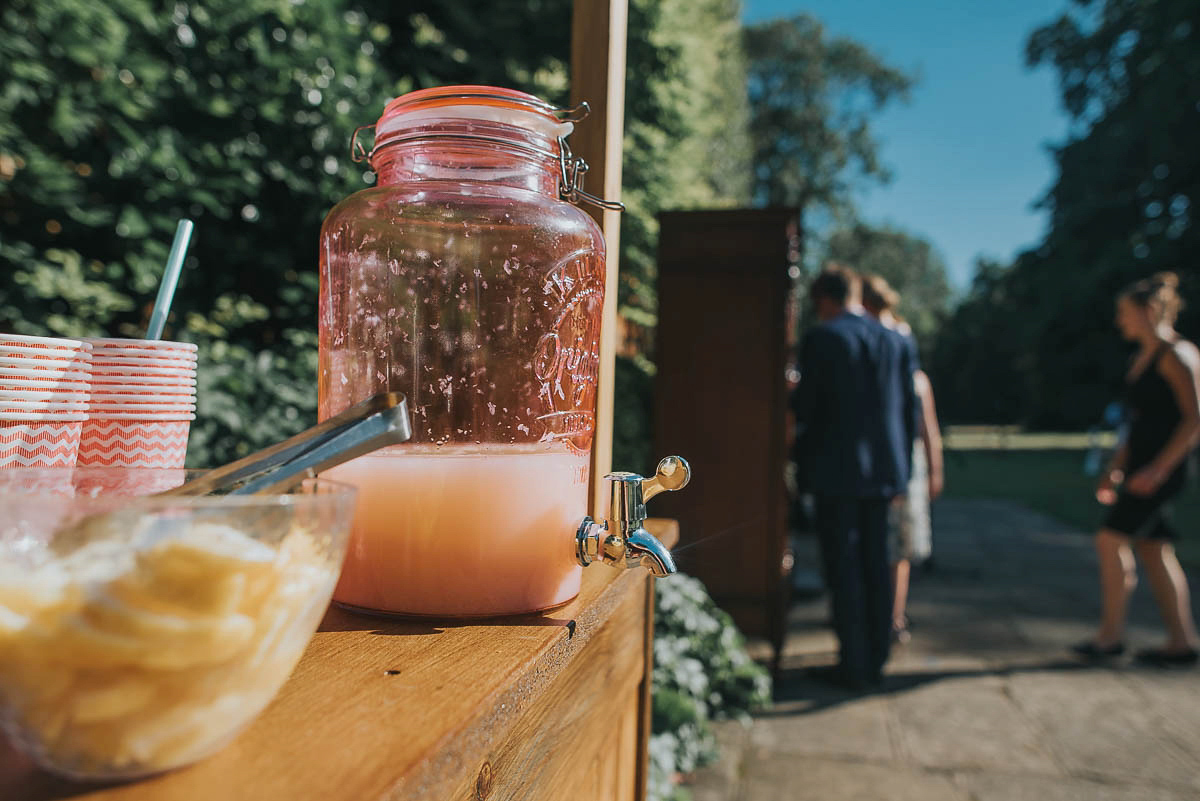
[{"x": 855, "y": 411}]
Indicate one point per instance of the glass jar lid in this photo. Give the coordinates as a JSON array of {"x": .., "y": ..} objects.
[{"x": 486, "y": 114}]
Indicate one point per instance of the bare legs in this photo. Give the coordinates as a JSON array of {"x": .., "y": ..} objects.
[
  {"x": 1118, "y": 578},
  {"x": 1171, "y": 592},
  {"x": 900, "y": 573}
]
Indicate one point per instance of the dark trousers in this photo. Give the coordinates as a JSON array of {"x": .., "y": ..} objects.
[{"x": 853, "y": 534}]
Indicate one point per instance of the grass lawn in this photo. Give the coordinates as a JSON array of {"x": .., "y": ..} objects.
[{"x": 1051, "y": 480}]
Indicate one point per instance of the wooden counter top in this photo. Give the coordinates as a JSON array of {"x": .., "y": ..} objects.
[{"x": 379, "y": 710}]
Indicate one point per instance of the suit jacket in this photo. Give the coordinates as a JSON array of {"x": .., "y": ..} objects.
[{"x": 856, "y": 408}]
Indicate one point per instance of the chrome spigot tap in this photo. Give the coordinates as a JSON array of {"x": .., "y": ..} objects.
[{"x": 622, "y": 540}]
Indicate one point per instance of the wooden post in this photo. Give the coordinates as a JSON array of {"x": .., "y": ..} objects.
[{"x": 598, "y": 31}]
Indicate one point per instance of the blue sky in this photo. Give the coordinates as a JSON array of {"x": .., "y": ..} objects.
[{"x": 968, "y": 152}]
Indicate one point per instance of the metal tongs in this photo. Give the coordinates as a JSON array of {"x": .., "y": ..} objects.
[{"x": 377, "y": 422}]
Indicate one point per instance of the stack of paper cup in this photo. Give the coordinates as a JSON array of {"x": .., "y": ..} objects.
[
  {"x": 142, "y": 403},
  {"x": 44, "y": 385}
]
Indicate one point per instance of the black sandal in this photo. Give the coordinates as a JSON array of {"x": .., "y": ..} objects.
[
  {"x": 1090, "y": 650},
  {"x": 1162, "y": 658}
]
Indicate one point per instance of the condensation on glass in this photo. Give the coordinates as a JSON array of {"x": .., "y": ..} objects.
[{"x": 464, "y": 280}]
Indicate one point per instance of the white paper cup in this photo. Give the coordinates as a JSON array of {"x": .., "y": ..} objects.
[
  {"x": 23, "y": 363},
  {"x": 43, "y": 406},
  {"x": 140, "y": 408},
  {"x": 25, "y": 352},
  {"x": 146, "y": 379},
  {"x": 47, "y": 413},
  {"x": 54, "y": 343},
  {"x": 67, "y": 392},
  {"x": 43, "y": 416},
  {"x": 142, "y": 397},
  {"x": 6, "y": 394},
  {"x": 141, "y": 416},
  {"x": 147, "y": 382},
  {"x": 10, "y": 376},
  {"x": 142, "y": 367},
  {"x": 184, "y": 387},
  {"x": 144, "y": 353},
  {"x": 64, "y": 391},
  {"x": 130, "y": 362},
  {"x": 142, "y": 344}
]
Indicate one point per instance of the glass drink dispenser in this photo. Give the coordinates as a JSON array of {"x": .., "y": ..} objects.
[{"x": 468, "y": 280}]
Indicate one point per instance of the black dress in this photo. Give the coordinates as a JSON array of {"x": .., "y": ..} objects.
[{"x": 1153, "y": 414}]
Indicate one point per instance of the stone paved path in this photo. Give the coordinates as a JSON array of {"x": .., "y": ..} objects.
[{"x": 985, "y": 704}]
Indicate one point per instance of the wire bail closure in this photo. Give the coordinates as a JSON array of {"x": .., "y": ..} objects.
[
  {"x": 577, "y": 114},
  {"x": 572, "y": 168},
  {"x": 358, "y": 152}
]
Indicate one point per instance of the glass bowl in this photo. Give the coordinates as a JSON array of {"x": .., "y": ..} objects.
[{"x": 146, "y": 638}]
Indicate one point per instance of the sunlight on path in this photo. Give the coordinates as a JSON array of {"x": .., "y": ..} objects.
[{"x": 985, "y": 703}]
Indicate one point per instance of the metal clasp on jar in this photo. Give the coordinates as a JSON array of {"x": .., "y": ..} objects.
[{"x": 573, "y": 170}]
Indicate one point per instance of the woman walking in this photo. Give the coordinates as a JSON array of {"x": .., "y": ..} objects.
[
  {"x": 910, "y": 527},
  {"x": 1147, "y": 472}
]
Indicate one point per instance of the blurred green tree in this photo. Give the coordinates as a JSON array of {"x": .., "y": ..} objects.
[
  {"x": 978, "y": 359},
  {"x": 1120, "y": 209},
  {"x": 811, "y": 101},
  {"x": 117, "y": 120},
  {"x": 908, "y": 262},
  {"x": 1122, "y": 205},
  {"x": 686, "y": 146}
]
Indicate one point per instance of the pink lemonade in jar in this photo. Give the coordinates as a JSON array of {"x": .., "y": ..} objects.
[
  {"x": 433, "y": 521},
  {"x": 466, "y": 280}
]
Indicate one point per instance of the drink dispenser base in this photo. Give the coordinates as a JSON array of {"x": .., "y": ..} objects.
[{"x": 468, "y": 280}]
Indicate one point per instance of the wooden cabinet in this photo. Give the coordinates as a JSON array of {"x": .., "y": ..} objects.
[
  {"x": 540, "y": 707},
  {"x": 721, "y": 400}
]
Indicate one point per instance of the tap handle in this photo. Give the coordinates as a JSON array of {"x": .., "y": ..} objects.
[
  {"x": 622, "y": 540},
  {"x": 673, "y": 473}
]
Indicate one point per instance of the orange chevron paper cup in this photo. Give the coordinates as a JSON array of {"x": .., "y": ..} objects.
[
  {"x": 43, "y": 343},
  {"x": 141, "y": 345},
  {"x": 151, "y": 383},
  {"x": 24, "y": 352},
  {"x": 117, "y": 442},
  {"x": 111, "y": 363},
  {"x": 145, "y": 353},
  {"x": 177, "y": 395},
  {"x": 27, "y": 441}
]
